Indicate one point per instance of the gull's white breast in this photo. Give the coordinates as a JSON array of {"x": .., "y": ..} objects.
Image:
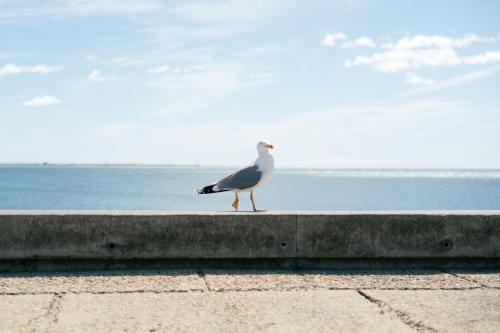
[{"x": 265, "y": 164}]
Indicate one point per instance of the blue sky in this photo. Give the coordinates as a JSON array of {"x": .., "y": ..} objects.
[{"x": 363, "y": 84}]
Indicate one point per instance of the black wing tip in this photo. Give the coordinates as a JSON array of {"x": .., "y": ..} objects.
[{"x": 206, "y": 190}]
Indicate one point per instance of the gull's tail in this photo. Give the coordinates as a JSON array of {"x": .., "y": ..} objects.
[{"x": 208, "y": 189}]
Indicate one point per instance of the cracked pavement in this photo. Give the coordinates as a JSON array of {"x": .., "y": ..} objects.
[{"x": 251, "y": 300}]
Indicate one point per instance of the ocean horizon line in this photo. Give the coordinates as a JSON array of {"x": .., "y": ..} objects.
[{"x": 223, "y": 166}]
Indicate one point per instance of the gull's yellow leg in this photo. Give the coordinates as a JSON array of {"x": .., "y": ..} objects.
[
  {"x": 253, "y": 202},
  {"x": 235, "y": 202}
]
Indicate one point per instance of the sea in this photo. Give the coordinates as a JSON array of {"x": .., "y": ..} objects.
[{"x": 165, "y": 187}]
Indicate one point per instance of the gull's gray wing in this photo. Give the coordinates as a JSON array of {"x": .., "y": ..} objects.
[{"x": 240, "y": 180}]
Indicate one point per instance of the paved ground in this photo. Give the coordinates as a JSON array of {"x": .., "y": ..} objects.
[{"x": 251, "y": 301}]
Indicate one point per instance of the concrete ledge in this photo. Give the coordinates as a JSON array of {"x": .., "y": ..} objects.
[
  {"x": 294, "y": 239},
  {"x": 399, "y": 235},
  {"x": 124, "y": 235}
]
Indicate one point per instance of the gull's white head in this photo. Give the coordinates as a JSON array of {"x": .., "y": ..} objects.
[{"x": 264, "y": 146}]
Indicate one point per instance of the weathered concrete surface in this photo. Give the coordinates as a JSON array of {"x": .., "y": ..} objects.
[
  {"x": 387, "y": 279},
  {"x": 486, "y": 278},
  {"x": 396, "y": 235},
  {"x": 248, "y": 301},
  {"x": 299, "y": 311},
  {"x": 300, "y": 239},
  {"x": 22, "y": 313},
  {"x": 101, "y": 282},
  {"x": 444, "y": 311},
  {"x": 126, "y": 235},
  {"x": 244, "y": 280},
  {"x": 229, "y": 280}
]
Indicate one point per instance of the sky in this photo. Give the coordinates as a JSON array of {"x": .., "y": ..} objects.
[{"x": 332, "y": 84}]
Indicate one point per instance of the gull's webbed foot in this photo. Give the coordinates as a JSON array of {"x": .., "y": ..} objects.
[{"x": 235, "y": 202}]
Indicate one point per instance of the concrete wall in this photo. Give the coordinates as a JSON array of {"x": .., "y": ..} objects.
[{"x": 208, "y": 235}]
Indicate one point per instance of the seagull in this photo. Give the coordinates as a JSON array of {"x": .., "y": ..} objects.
[{"x": 246, "y": 179}]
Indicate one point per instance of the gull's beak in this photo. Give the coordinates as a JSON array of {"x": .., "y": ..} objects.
[{"x": 269, "y": 146}]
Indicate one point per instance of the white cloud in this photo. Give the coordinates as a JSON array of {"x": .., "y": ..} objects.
[
  {"x": 482, "y": 59},
  {"x": 215, "y": 11},
  {"x": 41, "y": 101},
  {"x": 95, "y": 75},
  {"x": 417, "y": 80},
  {"x": 454, "y": 81},
  {"x": 177, "y": 19},
  {"x": 423, "y": 51},
  {"x": 14, "y": 10},
  {"x": 12, "y": 69},
  {"x": 398, "y": 59},
  {"x": 420, "y": 41},
  {"x": 106, "y": 7},
  {"x": 226, "y": 10},
  {"x": 193, "y": 88},
  {"x": 332, "y": 38},
  {"x": 158, "y": 70},
  {"x": 361, "y": 41}
]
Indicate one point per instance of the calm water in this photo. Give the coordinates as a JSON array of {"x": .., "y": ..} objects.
[{"x": 173, "y": 188}]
